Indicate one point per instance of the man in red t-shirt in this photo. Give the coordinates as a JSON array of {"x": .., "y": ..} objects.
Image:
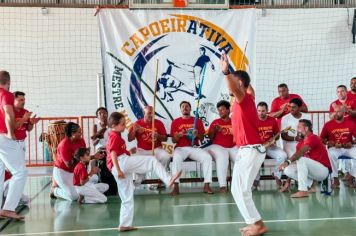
[
  {"x": 142, "y": 132},
  {"x": 182, "y": 134},
  {"x": 251, "y": 152},
  {"x": 311, "y": 158},
  {"x": 11, "y": 153},
  {"x": 268, "y": 128},
  {"x": 338, "y": 135},
  {"x": 280, "y": 105},
  {"x": 24, "y": 121},
  {"x": 348, "y": 105},
  {"x": 223, "y": 147},
  {"x": 352, "y": 93}
]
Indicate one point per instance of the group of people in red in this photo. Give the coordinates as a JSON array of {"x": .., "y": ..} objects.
[{"x": 244, "y": 136}]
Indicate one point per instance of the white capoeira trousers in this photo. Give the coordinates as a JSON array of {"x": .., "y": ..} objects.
[
  {"x": 134, "y": 164},
  {"x": 334, "y": 154},
  {"x": 196, "y": 154},
  {"x": 221, "y": 157},
  {"x": 305, "y": 171},
  {"x": 93, "y": 193},
  {"x": 248, "y": 162},
  {"x": 65, "y": 189},
  {"x": 162, "y": 155},
  {"x": 290, "y": 147},
  {"x": 12, "y": 156},
  {"x": 277, "y": 154}
]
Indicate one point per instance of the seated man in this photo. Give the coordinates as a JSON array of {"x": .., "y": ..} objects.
[
  {"x": 182, "y": 132},
  {"x": 310, "y": 162},
  {"x": 223, "y": 146},
  {"x": 142, "y": 132},
  {"x": 337, "y": 134},
  {"x": 268, "y": 128}
]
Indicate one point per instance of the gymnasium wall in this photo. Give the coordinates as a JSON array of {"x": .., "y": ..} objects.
[{"x": 55, "y": 57}]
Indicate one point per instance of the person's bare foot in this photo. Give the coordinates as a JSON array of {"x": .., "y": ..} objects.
[
  {"x": 300, "y": 194},
  {"x": 175, "y": 190},
  {"x": 285, "y": 187},
  {"x": 312, "y": 189},
  {"x": 351, "y": 182},
  {"x": 80, "y": 199},
  {"x": 174, "y": 178},
  {"x": 207, "y": 189},
  {"x": 346, "y": 177},
  {"x": 336, "y": 183},
  {"x": 255, "y": 229},
  {"x": 125, "y": 229},
  {"x": 11, "y": 215},
  {"x": 278, "y": 180},
  {"x": 223, "y": 190}
]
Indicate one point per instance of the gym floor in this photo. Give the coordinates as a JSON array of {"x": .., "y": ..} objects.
[{"x": 191, "y": 213}]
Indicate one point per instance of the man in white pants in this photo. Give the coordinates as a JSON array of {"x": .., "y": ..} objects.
[
  {"x": 223, "y": 147},
  {"x": 141, "y": 130},
  {"x": 12, "y": 156},
  {"x": 268, "y": 128},
  {"x": 310, "y": 161},
  {"x": 251, "y": 152},
  {"x": 123, "y": 166},
  {"x": 338, "y": 135},
  {"x": 182, "y": 134}
]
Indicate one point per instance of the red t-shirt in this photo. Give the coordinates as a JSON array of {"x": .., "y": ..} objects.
[
  {"x": 350, "y": 104},
  {"x": 184, "y": 125},
  {"x": 6, "y": 98},
  {"x": 8, "y": 175},
  {"x": 144, "y": 139},
  {"x": 79, "y": 174},
  {"x": 351, "y": 96},
  {"x": 278, "y": 102},
  {"x": 338, "y": 132},
  {"x": 224, "y": 137},
  {"x": 20, "y": 132},
  {"x": 317, "y": 150},
  {"x": 245, "y": 122},
  {"x": 267, "y": 128},
  {"x": 117, "y": 144},
  {"x": 65, "y": 152}
]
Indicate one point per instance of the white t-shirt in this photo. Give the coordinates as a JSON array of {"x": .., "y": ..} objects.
[
  {"x": 290, "y": 120},
  {"x": 103, "y": 141}
]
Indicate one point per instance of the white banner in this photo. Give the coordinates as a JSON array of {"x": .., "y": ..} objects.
[{"x": 183, "y": 42}]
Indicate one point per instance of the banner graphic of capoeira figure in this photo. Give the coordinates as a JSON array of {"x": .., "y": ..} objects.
[{"x": 183, "y": 42}]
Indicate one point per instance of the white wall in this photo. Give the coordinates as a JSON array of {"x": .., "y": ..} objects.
[
  {"x": 309, "y": 49},
  {"x": 55, "y": 58}
]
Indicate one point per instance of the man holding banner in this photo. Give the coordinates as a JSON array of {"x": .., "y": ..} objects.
[{"x": 251, "y": 152}]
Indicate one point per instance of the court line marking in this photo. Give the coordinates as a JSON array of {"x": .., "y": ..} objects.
[
  {"x": 183, "y": 225},
  {"x": 206, "y": 204},
  {"x": 8, "y": 221}
]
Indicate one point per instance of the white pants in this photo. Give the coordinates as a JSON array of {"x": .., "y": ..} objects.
[
  {"x": 334, "y": 154},
  {"x": 279, "y": 155},
  {"x": 93, "y": 193},
  {"x": 12, "y": 156},
  {"x": 162, "y": 155},
  {"x": 248, "y": 162},
  {"x": 290, "y": 147},
  {"x": 65, "y": 189},
  {"x": 222, "y": 156},
  {"x": 196, "y": 154},
  {"x": 129, "y": 165},
  {"x": 305, "y": 171}
]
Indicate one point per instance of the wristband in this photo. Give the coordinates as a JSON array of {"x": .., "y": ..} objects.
[
  {"x": 226, "y": 73},
  {"x": 288, "y": 161}
]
